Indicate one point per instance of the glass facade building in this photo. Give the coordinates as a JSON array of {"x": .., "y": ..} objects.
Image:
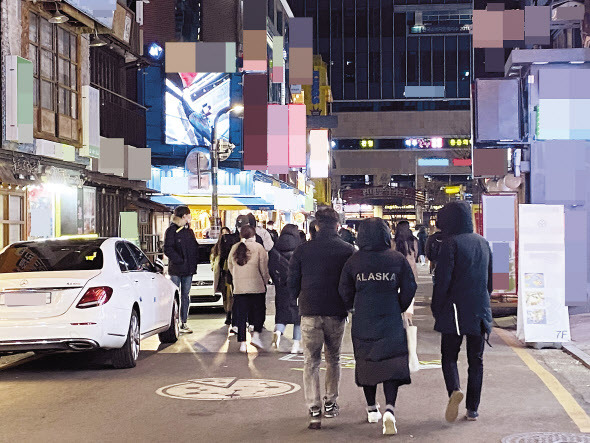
[{"x": 378, "y": 52}]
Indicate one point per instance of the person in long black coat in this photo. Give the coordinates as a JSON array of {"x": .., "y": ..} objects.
[
  {"x": 461, "y": 303},
  {"x": 378, "y": 285},
  {"x": 287, "y": 311}
]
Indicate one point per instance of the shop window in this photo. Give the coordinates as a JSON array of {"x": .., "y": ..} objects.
[
  {"x": 54, "y": 53},
  {"x": 13, "y": 221}
]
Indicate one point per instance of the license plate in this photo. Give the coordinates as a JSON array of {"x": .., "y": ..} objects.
[{"x": 27, "y": 298}]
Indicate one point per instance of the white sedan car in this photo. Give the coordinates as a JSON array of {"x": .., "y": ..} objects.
[{"x": 84, "y": 294}]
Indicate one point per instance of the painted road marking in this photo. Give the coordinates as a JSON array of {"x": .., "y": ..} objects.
[
  {"x": 567, "y": 401},
  {"x": 227, "y": 388},
  {"x": 348, "y": 362}
]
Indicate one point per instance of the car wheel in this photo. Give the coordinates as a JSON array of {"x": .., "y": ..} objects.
[
  {"x": 126, "y": 357},
  {"x": 171, "y": 335}
]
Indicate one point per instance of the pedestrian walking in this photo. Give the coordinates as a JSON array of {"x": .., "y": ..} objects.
[
  {"x": 227, "y": 242},
  {"x": 261, "y": 233},
  {"x": 219, "y": 283},
  {"x": 422, "y": 239},
  {"x": 182, "y": 250},
  {"x": 314, "y": 275},
  {"x": 248, "y": 264},
  {"x": 287, "y": 311},
  {"x": 270, "y": 227},
  {"x": 312, "y": 230},
  {"x": 302, "y": 236},
  {"x": 377, "y": 285},
  {"x": 347, "y": 236},
  {"x": 461, "y": 304},
  {"x": 405, "y": 243},
  {"x": 432, "y": 249}
]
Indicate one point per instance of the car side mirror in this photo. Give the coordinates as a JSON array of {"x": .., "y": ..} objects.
[{"x": 159, "y": 266}]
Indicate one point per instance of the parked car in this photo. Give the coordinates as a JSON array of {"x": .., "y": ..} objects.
[
  {"x": 202, "y": 291},
  {"x": 84, "y": 294}
]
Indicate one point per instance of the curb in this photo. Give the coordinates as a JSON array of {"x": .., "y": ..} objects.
[
  {"x": 9, "y": 361},
  {"x": 577, "y": 353}
]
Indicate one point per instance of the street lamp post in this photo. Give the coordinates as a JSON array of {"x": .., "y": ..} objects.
[{"x": 215, "y": 219}]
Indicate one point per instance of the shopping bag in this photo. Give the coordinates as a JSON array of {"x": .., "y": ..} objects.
[{"x": 412, "y": 334}]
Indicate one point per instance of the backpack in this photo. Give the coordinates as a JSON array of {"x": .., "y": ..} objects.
[{"x": 434, "y": 247}]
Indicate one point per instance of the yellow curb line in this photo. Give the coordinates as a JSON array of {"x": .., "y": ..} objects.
[{"x": 567, "y": 401}]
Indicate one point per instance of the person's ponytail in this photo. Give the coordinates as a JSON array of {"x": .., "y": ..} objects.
[{"x": 242, "y": 253}]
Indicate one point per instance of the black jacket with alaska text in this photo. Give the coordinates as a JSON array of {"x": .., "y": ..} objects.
[
  {"x": 314, "y": 274},
  {"x": 463, "y": 280},
  {"x": 378, "y": 284}
]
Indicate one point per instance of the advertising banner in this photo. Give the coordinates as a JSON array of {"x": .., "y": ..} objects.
[
  {"x": 192, "y": 101},
  {"x": 542, "y": 314}
]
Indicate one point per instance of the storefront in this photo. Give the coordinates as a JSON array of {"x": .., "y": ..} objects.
[
  {"x": 230, "y": 208},
  {"x": 57, "y": 209}
]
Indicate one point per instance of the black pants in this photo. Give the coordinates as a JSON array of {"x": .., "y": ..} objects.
[
  {"x": 390, "y": 388},
  {"x": 450, "y": 347},
  {"x": 251, "y": 308}
]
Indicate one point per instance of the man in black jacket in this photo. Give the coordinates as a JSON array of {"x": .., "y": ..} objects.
[
  {"x": 314, "y": 275},
  {"x": 461, "y": 303},
  {"x": 182, "y": 250}
]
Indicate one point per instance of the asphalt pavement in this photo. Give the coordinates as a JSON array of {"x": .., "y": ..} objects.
[{"x": 202, "y": 389}]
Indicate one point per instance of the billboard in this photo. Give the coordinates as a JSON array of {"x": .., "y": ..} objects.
[{"x": 192, "y": 100}]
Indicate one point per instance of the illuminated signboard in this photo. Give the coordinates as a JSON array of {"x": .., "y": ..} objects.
[
  {"x": 433, "y": 162},
  {"x": 424, "y": 143},
  {"x": 192, "y": 101},
  {"x": 459, "y": 142}
]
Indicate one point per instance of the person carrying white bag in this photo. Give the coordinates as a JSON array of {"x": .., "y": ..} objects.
[{"x": 377, "y": 285}]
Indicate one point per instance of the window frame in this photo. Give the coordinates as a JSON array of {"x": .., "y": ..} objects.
[{"x": 58, "y": 83}]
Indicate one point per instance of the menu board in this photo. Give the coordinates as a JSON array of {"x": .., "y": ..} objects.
[{"x": 542, "y": 314}]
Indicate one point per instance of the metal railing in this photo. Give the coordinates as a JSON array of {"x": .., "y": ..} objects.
[{"x": 121, "y": 117}]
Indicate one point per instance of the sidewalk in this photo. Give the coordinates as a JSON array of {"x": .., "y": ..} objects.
[{"x": 579, "y": 347}]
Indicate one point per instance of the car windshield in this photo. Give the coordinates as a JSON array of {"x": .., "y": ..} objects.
[
  {"x": 52, "y": 255},
  {"x": 205, "y": 253}
]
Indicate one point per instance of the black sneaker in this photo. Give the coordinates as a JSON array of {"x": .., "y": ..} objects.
[
  {"x": 184, "y": 328},
  {"x": 315, "y": 418},
  {"x": 471, "y": 415},
  {"x": 331, "y": 409}
]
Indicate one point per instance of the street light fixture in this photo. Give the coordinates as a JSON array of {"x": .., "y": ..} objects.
[{"x": 215, "y": 219}]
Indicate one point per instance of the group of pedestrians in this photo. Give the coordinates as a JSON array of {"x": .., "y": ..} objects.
[
  {"x": 319, "y": 282},
  {"x": 377, "y": 285}
]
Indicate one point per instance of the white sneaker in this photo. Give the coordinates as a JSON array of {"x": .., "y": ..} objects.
[
  {"x": 251, "y": 328},
  {"x": 256, "y": 341},
  {"x": 374, "y": 416},
  {"x": 244, "y": 347},
  {"x": 276, "y": 339},
  {"x": 233, "y": 330},
  {"x": 389, "y": 427},
  {"x": 296, "y": 348}
]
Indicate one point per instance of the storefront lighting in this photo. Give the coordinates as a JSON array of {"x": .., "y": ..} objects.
[
  {"x": 370, "y": 143},
  {"x": 452, "y": 142},
  {"x": 363, "y": 143},
  {"x": 155, "y": 51},
  {"x": 58, "y": 17}
]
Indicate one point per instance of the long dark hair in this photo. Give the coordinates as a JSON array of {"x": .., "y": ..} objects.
[
  {"x": 217, "y": 247},
  {"x": 242, "y": 254},
  {"x": 404, "y": 238}
]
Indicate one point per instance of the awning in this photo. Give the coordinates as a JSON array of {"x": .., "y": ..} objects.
[{"x": 227, "y": 203}]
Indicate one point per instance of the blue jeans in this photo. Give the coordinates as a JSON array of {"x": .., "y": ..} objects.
[
  {"x": 184, "y": 284},
  {"x": 296, "y": 330}
]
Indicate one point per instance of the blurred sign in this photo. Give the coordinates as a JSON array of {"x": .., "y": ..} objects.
[{"x": 542, "y": 314}]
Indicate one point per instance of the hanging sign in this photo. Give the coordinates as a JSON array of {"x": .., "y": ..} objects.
[{"x": 542, "y": 314}]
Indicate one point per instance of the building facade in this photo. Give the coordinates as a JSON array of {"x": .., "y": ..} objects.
[
  {"x": 400, "y": 77},
  {"x": 62, "y": 172}
]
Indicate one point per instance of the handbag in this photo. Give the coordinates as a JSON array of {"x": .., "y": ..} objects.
[{"x": 412, "y": 335}]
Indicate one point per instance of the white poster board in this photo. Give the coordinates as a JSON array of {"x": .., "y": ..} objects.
[{"x": 542, "y": 314}]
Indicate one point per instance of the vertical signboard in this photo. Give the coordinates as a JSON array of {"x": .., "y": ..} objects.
[
  {"x": 278, "y": 139},
  {"x": 499, "y": 215},
  {"x": 542, "y": 314}
]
